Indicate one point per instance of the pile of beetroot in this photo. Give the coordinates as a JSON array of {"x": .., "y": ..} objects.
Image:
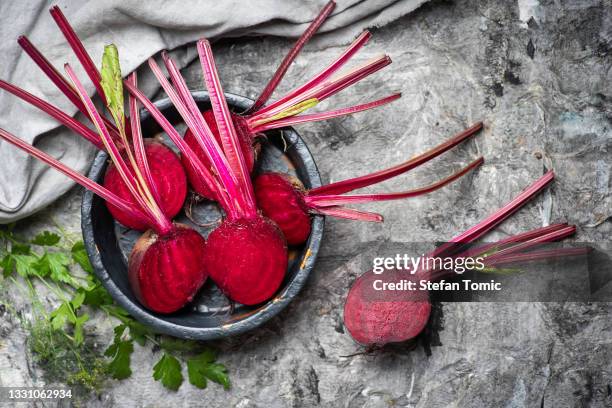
[{"x": 146, "y": 182}]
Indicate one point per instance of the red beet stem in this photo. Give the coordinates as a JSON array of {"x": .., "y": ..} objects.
[
  {"x": 508, "y": 247},
  {"x": 138, "y": 142},
  {"x": 189, "y": 111},
  {"x": 324, "y": 90},
  {"x": 522, "y": 237},
  {"x": 58, "y": 79},
  {"x": 290, "y": 57},
  {"x": 162, "y": 224},
  {"x": 553, "y": 236},
  {"x": 54, "y": 112},
  {"x": 79, "y": 50},
  {"x": 315, "y": 117},
  {"x": 345, "y": 186},
  {"x": 359, "y": 42},
  {"x": 333, "y": 200},
  {"x": 176, "y": 139},
  {"x": 349, "y": 214},
  {"x": 499, "y": 216},
  {"x": 538, "y": 255},
  {"x": 78, "y": 178},
  {"x": 225, "y": 125}
]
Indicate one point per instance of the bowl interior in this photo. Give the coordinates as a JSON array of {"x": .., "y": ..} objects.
[{"x": 210, "y": 315}]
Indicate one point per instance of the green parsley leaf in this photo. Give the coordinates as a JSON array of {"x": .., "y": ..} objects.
[
  {"x": 79, "y": 255},
  {"x": 20, "y": 249},
  {"x": 55, "y": 265},
  {"x": 168, "y": 371},
  {"x": 96, "y": 296},
  {"x": 78, "y": 328},
  {"x": 25, "y": 265},
  {"x": 138, "y": 332},
  {"x": 120, "y": 352},
  {"x": 60, "y": 316},
  {"x": 174, "y": 344},
  {"x": 203, "y": 367},
  {"x": 7, "y": 264},
  {"x": 46, "y": 238}
]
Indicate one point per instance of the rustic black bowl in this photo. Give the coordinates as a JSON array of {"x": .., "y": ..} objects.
[{"x": 210, "y": 315}]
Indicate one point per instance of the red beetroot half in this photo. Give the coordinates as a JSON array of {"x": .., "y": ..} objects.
[
  {"x": 375, "y": 318},
  {"x": 246, "y": 255},
  {"x": 164, "y": 268},
  {"x": 285, "y": 200},
  {"x": 169, "y": 181},
  {"x": 378, "y": 317},
  {"x": 251, "y": 125}
]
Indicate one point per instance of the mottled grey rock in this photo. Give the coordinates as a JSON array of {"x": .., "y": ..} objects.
[{"x": 538, "y": 74}]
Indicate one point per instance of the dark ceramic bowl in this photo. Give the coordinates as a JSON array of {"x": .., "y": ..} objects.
[{"x": 210, "y": 315}]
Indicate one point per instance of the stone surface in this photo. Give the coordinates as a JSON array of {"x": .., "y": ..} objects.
[{"x": 538, "y": 73}]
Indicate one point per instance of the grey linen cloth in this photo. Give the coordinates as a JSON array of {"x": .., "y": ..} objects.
[{"x": 139, "y": 29}]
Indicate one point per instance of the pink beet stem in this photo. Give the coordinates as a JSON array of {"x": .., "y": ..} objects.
[
  {"x": 556, "y": 235},
  {"x": 525, "y": 236},
  {"x": 290, "y": 57},
  {"x": 177, "y": 140},
  {"x": 79, "y": 49},
  {"x": 54, "y": 112},
  {"x": 538, "y": 255},
  {"x": 349, "y": 214},
  {"x": 326, "y": 89},
  {"x": 345, "y": 186},
  {"x": 333, "y": 200},
  {"x": 193, "y": 119},
  {"x": 78, "y": 178},
  {"x": 499, "y": 216},
  {"x": 162, "y": 224},
  {"x": 138, "y": 142},
  {"x": 359, "y": 42},
  {"x": 324, "y": 115},
  {"x": 58, "y": 79},
  {"x": 225, "y": 124}
]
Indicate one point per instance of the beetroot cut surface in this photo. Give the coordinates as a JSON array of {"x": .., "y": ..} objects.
[
  {"x": 376, "y": 318},
  {"x": 247, "y": 259},
  {"x": 166, "y": 271}
]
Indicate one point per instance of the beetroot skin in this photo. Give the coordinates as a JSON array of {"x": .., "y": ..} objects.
[
  {"x": 166, "y": 271},
  {"x": 281, "y": 198},
  {"x": 250, "y": 149},
  {"x": 247, "y": 259},
  {"x": 378, "y": 317},
  {"x": 170, "y": 181}
]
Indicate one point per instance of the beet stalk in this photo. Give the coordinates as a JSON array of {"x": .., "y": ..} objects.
[
  {"x": 163, "y": 267},
  {"x": 285, "y": 200},
  {"x": 378, "y": 317}
]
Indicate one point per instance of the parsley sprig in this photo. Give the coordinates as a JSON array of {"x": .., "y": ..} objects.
[{"x": 60, "y": 263}]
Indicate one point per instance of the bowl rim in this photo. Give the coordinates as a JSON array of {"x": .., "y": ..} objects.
[{"x": 253, "y": 320}]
